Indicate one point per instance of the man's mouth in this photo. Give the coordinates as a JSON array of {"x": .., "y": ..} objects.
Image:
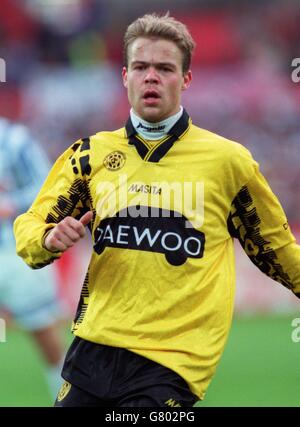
[
  {"x": 151, "y": 98},
  {"x": 151, "y": 95}
]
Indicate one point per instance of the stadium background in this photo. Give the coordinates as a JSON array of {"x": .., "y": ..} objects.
[{"x": 63, "y": 61}]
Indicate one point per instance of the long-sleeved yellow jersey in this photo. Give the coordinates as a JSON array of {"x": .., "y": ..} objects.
[{"x": 161, "y": 277}]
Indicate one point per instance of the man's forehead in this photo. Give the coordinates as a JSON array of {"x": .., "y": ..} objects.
[{"x": 154, "y": 49}]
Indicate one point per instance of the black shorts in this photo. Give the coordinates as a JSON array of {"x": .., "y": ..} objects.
[{"x": 104, "y": 376}]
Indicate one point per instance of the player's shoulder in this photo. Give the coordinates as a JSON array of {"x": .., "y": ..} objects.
[
  {"x": 98, "y": 140},
  {"x": 105, "y": 135},
  {"x": 218, "y": 143},
  {"x": 15, "y": 135}
]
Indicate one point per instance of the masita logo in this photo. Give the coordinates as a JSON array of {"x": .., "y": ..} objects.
[{"x": 159, "y": 231}]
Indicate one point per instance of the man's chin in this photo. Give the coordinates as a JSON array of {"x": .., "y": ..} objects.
[{"x": 152, "y": 115}]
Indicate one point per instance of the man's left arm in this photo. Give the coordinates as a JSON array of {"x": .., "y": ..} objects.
[{"x": 258, "y": 220}]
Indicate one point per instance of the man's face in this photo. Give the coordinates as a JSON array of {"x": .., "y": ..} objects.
[{"x": 154, "y": 78}]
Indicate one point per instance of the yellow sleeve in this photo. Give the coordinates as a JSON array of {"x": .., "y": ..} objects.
[
  {"x": 259, "y": 222},
  {"x": 64, "y": 193}
]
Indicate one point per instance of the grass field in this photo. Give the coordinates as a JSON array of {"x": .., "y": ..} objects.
[{"x": 260, "y": 367}]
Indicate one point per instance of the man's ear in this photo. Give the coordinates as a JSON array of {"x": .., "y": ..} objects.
[
  {"x": 124, "y": 76},
  {"x": 187, "y": 79}
]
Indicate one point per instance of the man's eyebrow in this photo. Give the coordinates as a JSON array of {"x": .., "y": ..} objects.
[{"x": 159, "y": 64}]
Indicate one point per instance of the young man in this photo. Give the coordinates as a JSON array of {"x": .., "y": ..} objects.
[
  {"x": 30, "y": 297},
  {"x": 163, "y": 200}
]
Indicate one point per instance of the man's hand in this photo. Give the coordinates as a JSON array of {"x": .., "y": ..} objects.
[{"x": 67, "y": 232}]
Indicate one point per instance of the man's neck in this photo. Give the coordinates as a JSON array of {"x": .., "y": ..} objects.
[{"x": 153, "y": 131}]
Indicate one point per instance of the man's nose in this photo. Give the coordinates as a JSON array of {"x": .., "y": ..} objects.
[{"x": 151, "y": 76}]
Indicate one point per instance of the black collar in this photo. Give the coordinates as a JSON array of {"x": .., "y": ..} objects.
[{"x": 154, "y": 154}]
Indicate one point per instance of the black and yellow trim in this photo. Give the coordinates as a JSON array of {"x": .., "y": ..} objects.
[{"x": 151, "y": 153}]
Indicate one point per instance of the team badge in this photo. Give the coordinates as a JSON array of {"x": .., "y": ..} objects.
[
  {"x": 114, "y": 161},
  {"x": 64, "y": 390}
]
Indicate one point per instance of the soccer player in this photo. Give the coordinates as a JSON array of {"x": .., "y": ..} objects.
[
  {"x": 163, "y": 200},
  {"x": 29, "y": 296}
]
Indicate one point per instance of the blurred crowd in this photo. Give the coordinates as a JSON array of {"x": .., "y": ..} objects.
[{"x": 63, "y": 73}]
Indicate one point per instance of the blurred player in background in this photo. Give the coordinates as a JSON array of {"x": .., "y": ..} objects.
[
  {"x": 157, "y": 301},
  {"x": 29, "y": 296}
]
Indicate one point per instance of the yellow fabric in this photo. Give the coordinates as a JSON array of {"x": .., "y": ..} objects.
[{"x": 176, "y": 315}]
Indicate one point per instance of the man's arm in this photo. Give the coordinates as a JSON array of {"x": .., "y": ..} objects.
[
  {"x": 259, "y": 222},
  {"x": 47, "y": 228}
]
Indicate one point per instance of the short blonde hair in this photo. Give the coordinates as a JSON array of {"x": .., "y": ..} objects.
[{"x": 164, "y": 27}]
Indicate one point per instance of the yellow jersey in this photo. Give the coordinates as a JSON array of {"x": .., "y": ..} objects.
[{"x": 161, "y": 278}]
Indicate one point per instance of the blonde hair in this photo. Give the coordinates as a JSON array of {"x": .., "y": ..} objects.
[{"x": 164, "y": 27}]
